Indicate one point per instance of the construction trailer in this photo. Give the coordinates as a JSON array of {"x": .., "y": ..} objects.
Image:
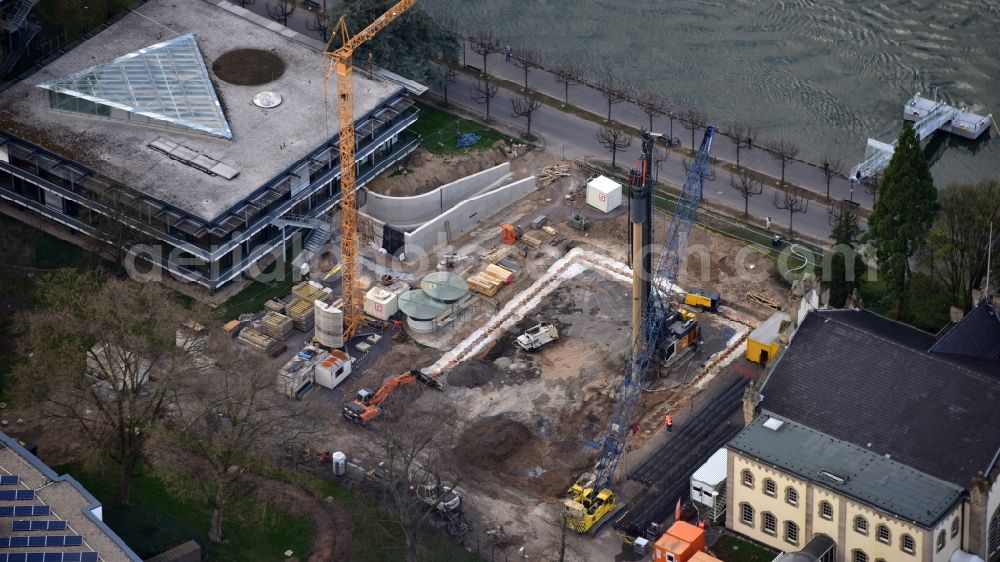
[
  {"x": 297, "y": 377},
  {"x": 683, "y": 542},
  {"x": 332, "y": 370},
  {"x": 763, "y": 342},
  {"x": 708, "y": 487}
]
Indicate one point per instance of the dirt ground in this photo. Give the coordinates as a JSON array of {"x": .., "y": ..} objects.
[
  {"x": 524, "y": 419},
  {"x": 423, "y": 171}
]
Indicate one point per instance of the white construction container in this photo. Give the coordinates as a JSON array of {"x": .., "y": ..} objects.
[
  {"x": 333, "y": 370},
  {"x": 604, "y": 194},
  {"x": 708, "y": 485},
  {"x": 329, "y": 322},
  {"x": 381, "y": 303}
]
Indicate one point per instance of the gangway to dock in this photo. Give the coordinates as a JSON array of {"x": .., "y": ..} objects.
[{"x": 928, "y": 116}]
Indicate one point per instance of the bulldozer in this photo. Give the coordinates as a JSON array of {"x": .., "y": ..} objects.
[{"x": 365, "y": 406}]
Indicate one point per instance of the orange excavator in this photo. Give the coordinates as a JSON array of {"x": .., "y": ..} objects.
[{"x": 365, "y": 407}]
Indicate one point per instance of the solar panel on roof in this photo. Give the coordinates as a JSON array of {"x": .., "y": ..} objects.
[
  {"x": 38, "y": 541},
  {"x": 8, "y": 479},
  {"x": 10, "y": 495},
  {"x": 44, "y": 525},
  {"x": 49, "y": 557},
  {"x": 23, "y": 510}
]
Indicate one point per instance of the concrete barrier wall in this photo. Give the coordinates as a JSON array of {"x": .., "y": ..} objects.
[
  {"x": 411, "y": 212},
  {"x": 464, "y": 217}
]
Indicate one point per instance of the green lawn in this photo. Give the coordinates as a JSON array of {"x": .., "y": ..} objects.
[
  {"x": 733, "y": 549},
  {"x": 158, "y": 520},
  {"x": 439, "y": 131}
]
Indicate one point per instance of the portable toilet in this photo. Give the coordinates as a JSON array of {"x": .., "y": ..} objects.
[
  {"x": 339, "y": 464},
  {"x": 604, "y": 194},
  {"x": 762, "y": 343}
]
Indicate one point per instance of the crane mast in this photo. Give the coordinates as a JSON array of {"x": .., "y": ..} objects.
[{"x": 340, "y": 63}]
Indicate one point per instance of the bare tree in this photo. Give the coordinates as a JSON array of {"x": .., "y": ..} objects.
[
  {"x": 102, "y": 354},
  {"x": 872, "y": 184},
  {"x": 447, "y": 76},
  {"x": 653, "y": 105},
  {"x": 280, "y": 10},
  {"x": 832, "y": 167},
  {"x": 527, "y": 58},
  {"x": 525, "y": 106},
  {"x": 320, "y": 23},
  {"x": 410, "y": 448},
  {"x": 784, "y": 152},
  {"x": 747, "y": 187},
  {"x": 613, "y": 89},
  {"x": 484, "y": 42},
  {"x": 693, "y": 119},
  {"x": 613, "y": 137},
  {"x": 742, "y": 136},
  {"x": 229, "y": 418},
  {"x": 792, "y": 200},
  {"x": 484, "y": 90},
  {"x": 568, "y": 75}
]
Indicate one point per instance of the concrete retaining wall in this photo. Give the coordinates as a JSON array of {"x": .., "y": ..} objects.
[
  {"x": 411, "y": 212},
  {"x": 464, "y": 217}
]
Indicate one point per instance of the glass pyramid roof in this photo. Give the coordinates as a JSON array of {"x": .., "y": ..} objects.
[{"x": 167, "y": 81}]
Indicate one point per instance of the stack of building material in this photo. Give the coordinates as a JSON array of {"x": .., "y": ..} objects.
[
  {"x": 302, "y": 314},
  {"x": 311, "y": 291},
  {"x": 260, "y": 342},
  {"x": 277, "y": 326},
  {"x": 531, "y": 240},
  {"x": 231, "y": 327},
  {"x": 490, "y": 279},
  {"x": 274, "y": 306}
]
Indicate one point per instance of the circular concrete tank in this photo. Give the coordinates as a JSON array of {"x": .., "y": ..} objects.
[
  {"x": 420, "y": 309},
  {"x": 444, "y": 286}
]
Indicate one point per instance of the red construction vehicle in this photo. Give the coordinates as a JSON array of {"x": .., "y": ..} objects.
[{"x": 365, "y": 407}]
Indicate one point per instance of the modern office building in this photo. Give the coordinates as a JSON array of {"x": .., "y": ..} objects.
[{"x": 195, "y": 134}]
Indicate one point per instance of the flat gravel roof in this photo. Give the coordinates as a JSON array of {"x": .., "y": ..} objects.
[{"x": 265, "y": 141}]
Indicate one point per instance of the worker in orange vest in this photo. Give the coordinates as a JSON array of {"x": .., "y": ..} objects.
[{"x": 669, "y": 422}]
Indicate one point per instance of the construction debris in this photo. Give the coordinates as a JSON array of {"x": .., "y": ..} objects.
[
  {"x": 763, "y": 299},
  {"x": 550, "y": 174}
]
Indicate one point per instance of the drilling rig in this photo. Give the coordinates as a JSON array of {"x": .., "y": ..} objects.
[
  {"x": 661, "y": 332},
  {"x": 340, "y": 63}
]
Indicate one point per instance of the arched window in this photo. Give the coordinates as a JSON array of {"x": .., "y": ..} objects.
[
  {"x": 791, "y": 532},
  {"x": 746, "y": 514},
  {"x": 792, "y": 495},
  {"x": 880, "y": 560},
  {"x": 770, "y": 488},
  {"x": 940, "y": 540},
  {"x": 769, "y": 523},
  {"x": 826, "y": 510},
  {"x": 907, "y": 544},
  {"x": 858, "y": 556},
  {"x": 883, "y": 534},
  {"x": 954, "y": 527},
  {"x": 861, "y": 525},
  {"x": 747, "y": 477}
]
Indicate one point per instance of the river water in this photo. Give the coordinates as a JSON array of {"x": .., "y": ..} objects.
[{"x": 825, "y": 74}]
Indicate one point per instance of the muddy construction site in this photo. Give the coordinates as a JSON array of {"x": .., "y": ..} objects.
[{"x": 523, "y": 424}]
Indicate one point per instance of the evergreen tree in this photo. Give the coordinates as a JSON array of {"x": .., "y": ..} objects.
[
  {"x": 410, "y": 46},
  {"x": 842, "y": 282},
  {"x": 902, "y": 215}
]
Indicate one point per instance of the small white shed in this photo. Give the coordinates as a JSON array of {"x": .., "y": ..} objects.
[
  {"x": 708, "y": 485},
  {"x": 604, "y": 194}
]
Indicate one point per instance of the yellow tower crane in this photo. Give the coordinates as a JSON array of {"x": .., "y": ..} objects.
[{"x": 340, "y": 62}]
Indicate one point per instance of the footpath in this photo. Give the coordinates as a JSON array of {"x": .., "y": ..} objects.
[{"x": 571, "y": 132}]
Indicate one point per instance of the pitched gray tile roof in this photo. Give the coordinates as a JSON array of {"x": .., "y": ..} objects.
[
  {"x": 870, "y": 381},
  {"x": 867, "y": 477},
  {"x": 975, "y": 335}
]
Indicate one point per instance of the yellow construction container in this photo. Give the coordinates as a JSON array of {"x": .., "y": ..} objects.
[{"x": 762, "y": 343}]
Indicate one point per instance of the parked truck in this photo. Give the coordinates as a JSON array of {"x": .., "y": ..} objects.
[{"x": 537, "y": 336}]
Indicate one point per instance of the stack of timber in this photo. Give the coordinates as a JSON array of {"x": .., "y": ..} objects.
[
  {"x": 260, "y": 342},
  {"x": 490, "y": 279},
  {"x": 275, "y": 325},
  {"x": 549, "y": 174},
  {"x": 531, "y": 240},
  {"x": 274, "y": 306}
]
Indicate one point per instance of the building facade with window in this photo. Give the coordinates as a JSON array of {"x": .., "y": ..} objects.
[
  {"x": 883, "y": 438},
  {"x": 193, "y": 137}
]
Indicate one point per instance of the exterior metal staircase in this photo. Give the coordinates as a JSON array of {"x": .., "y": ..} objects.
[{"x": 15, "y": 16}]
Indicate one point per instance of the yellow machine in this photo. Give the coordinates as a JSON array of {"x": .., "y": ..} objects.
[
  {"x": 702, "y": 299},
  {"x": 585, "y": 507},
  {"x": 340, "y": 62}
]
